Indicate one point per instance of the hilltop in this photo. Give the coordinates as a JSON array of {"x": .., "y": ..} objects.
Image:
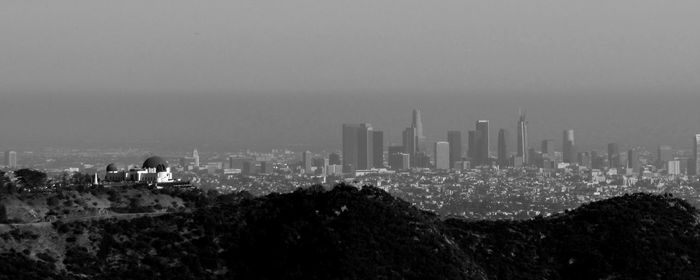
[{"x": 351, "y": 233}]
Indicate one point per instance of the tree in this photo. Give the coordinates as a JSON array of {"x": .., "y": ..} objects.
[{"x": 30, "y": 178}]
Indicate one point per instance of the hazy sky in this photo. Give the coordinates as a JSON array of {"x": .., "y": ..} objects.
[{"x": 235, "y": 71}]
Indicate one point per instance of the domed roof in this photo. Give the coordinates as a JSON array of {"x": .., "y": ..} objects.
[
  {"x": 155, "y": 162},
  {"x": 111, "y": 167}
]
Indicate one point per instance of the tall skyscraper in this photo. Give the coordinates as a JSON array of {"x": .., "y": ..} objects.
[
  {"x": 334, "y": 159},
  {"x": 195, "y": 157},
  {"x": 357, "y": 147},
  {"x": 548, "y": 149},
  {"x": 633, "y": 160},
  {"x": 306, "y": 162},
  {"x": 410, "y": 144},
  {"x": 614, "y": 155},
  {"x": 396, "y": 158},
  {"x": 442, "y": 155},
  {"x": 694, "y": 169},
  {"x": 471, "y": 146},
  {"x": 664, "y": 154},
  {"x": 378, "y": 149},
  {"x": 11, "y": 159},
  {"x": 503, "y": 148},
  {"x": 568, "y": 147},
  {"x": 482, "y": 142},
  {"x": 417, "y": 123},
  {"x": 454, "y": 137},
  {"x": 522, "y": 138}
]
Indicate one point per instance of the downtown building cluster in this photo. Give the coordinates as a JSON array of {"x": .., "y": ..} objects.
[{"x": 363, "y": 149}]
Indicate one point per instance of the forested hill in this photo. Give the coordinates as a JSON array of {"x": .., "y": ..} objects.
[{"x": 350, "y": 233}]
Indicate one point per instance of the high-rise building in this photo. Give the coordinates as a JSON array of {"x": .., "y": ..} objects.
[
  {"x": 522, "y": 137},
  {"x": 357, "y": 147},
  {"x": 417, "y": 123},
  {"x": 11, "y": 159},
  {"x": 396, "y": 154},
  {"x": 548, "y": 149},
  {"x": 633, "y": 159},
  {"x": 378, "y": 149},
  {"x": 442, "y": 155},
  {"x": 502, "y": 148},
  {"x": 614, "y": 156},
  {"x": 410, "y": 144},
  {"x": 694, "y": 167},
  {"x": 306, "y": 162},
  {"x": 195, "y": 157},
  {"x": 673, "y": 167},
  {"x": 584, "y": 159},
  {"x": 664, "y": 153},
  {"x": 568, "y": 147},
  {"x": 334, "y": 159},
  {"x": 471, "y": 145},
  {"x": 482, "y": 142},
  {"x": 454, "y": 137}
]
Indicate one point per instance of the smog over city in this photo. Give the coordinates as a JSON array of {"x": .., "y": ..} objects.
[{"x": 349, "y": 139}]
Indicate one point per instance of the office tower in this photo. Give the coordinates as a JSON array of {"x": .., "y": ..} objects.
[
  {"x": 417, "y": 123},
  {"x": 533, "y": 157},
  {"x": 633, "y": 160},
  {"x": 522, "y": 138},
  {"x": 569, "y": 147},
  {"x": 584, "y": 159},
  {"x": 306, "y": 162},
  {"x": 455, "y": 139},
  {"x": 334, "y": 159},
  {"x": 597, "y": 161},
  {"x": 378, "y": 149},
  {"x": 613, "y": 156},
  {"x": 250, "y": 167},
  {"x": 482, "y": 142},
  {"x": 502, "y": 148},
  {"x": 357, "y": 147},
  {"x": 405, "y": 161},
  {"x": 471, "y": 145},
  {"x": 548, "y": 149},
  {"x": 11, "y": 159},
  {"x": 265, "y": 167},
  {"x": 442, "y": 155},
  {"x": 195, "y": 156},
  {"x": 395, "y": 157},
  {"x": 694, "y": 165},
  {"x": 664, "y": 153},
  {"x": 410, "y": 143},
  {"x": 673, "y": 167}
]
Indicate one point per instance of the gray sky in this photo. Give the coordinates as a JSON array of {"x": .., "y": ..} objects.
[
  {"x": 349, "y": 46},
  {"x": 233, "y": 72}
]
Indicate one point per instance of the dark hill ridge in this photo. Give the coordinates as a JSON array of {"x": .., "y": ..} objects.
[{"x": 350, "y": 233}]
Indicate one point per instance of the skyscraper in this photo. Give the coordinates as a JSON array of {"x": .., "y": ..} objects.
[
  {"x": 396, "y": 158},
  {"x": 306, "y": 162},
  {"x": 454, "y": 137},
  {"x": 568, "y": 147},
  {"x": 195, "y": 157},
  {"x": 334, "y": 159},
  {"x": 502, "y": 148},
  {"x": 357, "y": 147},
  {"x": 378, "y": 149},
  {"x": 633, "y": 159},
  {"x": 522, "y": 138},
  {"x": 410, "y": 143},
  {"x": 471, "y": 146},
  {"x": 417, "y": 123},
  {"x": 482, "y": 142},
  {"x": 11, "y": 159},
  {"x": 548, "y": 149},
  {"x": 663, "y": 154},
  {"x": 442, "y": 155},
  {"x": 695, "y": 162},
  {"x": 613, "y": 155}
]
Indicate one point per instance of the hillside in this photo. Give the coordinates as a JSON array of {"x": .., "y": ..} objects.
[{"x": 348, "y": 233}]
